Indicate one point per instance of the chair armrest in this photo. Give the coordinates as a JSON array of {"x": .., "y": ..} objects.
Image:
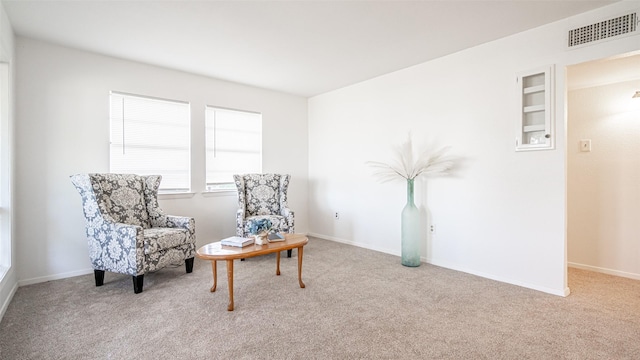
[
  {"x": 183, "y": 222},
  {"x": 286, "y": 212},
  {"x": 171, "y": 221},
  {"x": 116, "y": 247},
  {"x": 289, "y": 215},
  {"x": 177, "y": 222},
  {"x": 126, "y": 235},
  {"x": 240, "y": 222},
  {"x": 103, "y": 228}
]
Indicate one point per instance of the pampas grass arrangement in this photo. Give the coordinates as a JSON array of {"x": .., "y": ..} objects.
[{"x": 405, "y": 165}]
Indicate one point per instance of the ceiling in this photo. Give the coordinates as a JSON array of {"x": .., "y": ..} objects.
[{"x": 298, "y": 47}]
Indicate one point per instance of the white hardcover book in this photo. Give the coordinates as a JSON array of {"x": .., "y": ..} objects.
[{"x": 237, "y": 241}]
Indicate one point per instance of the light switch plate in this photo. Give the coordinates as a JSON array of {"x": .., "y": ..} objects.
[{"x": 585, "y": 145}]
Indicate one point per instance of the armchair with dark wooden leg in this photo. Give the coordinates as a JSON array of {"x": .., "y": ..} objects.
[
  {"x": 263, "y": 196},
  {"x": 127, "y": 231}
]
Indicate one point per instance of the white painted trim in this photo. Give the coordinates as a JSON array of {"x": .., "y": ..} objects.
[
  {"x": 563, "y": 292},
  {"x": 42, "y": 279},
  {"x": 605, "y": 271},
  {"x": 452, "y": 266},
  {"x": 210, "y": 193},
  {"x": 7, "y": 301},
  {"x": 175, "y": 195},
  {"x": 353, "y": 243}
]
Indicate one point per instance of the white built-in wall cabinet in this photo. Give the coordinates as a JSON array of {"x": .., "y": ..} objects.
[{"x": 534, "y": 128}]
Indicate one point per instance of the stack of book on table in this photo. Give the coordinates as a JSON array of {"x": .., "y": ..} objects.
[{"x": 237, "y": 241}]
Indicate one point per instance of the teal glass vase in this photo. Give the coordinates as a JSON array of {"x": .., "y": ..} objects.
[{"x": 410, "y": 230}]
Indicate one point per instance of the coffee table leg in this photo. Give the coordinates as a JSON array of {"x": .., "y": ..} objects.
[
  {"x": 214, "y": 267},
  {"x": 300, "y": 267},
  {"x": 230, "y": 281},
  {"x": 278, "y": 263}
]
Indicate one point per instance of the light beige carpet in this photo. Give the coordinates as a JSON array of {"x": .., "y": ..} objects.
[{"x": 358, "y": 304}]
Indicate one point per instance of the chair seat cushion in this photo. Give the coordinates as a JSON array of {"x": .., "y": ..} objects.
[{"x": 156, "y": 239}]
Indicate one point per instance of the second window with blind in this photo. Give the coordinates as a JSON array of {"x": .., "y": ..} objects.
[{"x": 233, "y": 146}]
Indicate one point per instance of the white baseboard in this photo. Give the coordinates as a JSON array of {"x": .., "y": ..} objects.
[
  {"x": 559, "y": 292},
  {"x": 452, "y": 266},
  {"x": 353, "y": 243},
  {"x": 41, "y": 279},
  {"x": 605, "y": 270}
]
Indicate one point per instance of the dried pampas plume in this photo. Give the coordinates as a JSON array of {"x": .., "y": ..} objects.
[{"x": 405, "y": 165}]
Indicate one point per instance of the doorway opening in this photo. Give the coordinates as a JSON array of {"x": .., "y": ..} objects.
[{"x": 603, "y": 166}]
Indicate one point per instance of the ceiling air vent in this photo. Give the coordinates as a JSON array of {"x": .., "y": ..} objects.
[{"x": 605, "y": 29}]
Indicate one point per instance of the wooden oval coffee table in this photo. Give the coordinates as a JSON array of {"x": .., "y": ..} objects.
[{"x": 216, "y": 251}]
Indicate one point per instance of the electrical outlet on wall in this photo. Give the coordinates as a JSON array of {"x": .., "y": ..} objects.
[
  {"x": 336, "y": 215},
  {"x": 585, "y": 145}
]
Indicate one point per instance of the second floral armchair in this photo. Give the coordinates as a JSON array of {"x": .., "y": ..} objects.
[{"x": 263, "y": 196}]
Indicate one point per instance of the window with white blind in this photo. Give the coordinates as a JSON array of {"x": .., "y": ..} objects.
[
  {"x": 233, "y": 145},
  {"x": 151, "y": 136}
]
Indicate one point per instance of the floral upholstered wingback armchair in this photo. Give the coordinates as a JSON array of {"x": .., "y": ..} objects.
[
  {"x": 263, "y": 196},
  {"x": 127, "y": 231}
]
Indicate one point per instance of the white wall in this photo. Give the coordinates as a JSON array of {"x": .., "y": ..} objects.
[
  {"x": 63, "y": 129},
  {"x": 8, "y": 276},
  {"x": 604, "y": 184},
  {"x": 503, "y": 215}
]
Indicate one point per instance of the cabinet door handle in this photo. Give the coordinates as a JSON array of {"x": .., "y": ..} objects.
[{"x": 547, "y": 135}]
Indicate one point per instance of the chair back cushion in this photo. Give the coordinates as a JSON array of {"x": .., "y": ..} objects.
[
  {"x": 263, "y": 193},
  {"x": 122, "y": 197}
]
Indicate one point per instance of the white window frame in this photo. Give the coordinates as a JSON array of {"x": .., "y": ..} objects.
[
  {"x": 250, "y": 145},
  {"x": 176, "y": 131},
  {"x": 5, "y": 171}
]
